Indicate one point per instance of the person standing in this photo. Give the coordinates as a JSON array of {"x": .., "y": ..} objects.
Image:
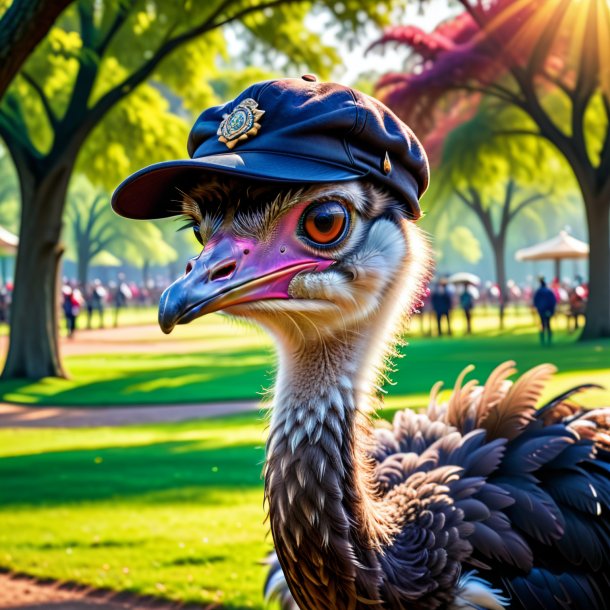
[
  {"x": 72, "y": 302},
  {"x": 441, "y": 303},
  {"x": 122, "y": 295},
  {"x": 467, "y": 304},
  {"x": 545, "y": 302}
]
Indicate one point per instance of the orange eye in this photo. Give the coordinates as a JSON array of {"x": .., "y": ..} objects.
[{"x": 324, "y": 223}]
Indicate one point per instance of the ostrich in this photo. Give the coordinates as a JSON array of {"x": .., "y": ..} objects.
[{"x": 304, "y": 197}]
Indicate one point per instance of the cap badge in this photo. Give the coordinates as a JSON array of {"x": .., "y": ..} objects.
[{"x": 241, "y": 123}]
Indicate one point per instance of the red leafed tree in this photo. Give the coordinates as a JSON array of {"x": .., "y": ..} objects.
[{"x": 551, "y": 60}]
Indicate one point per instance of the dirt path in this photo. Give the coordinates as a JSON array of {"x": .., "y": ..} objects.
[
  {"x": 16, "y": 416},
  {"x": 127, "y": 339},
  {"x": 124, "y": 340},
  {"x": 22, "y": 593}
]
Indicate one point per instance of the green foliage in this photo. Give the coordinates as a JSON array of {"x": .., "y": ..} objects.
[
  {"x": 136, "y": 132},
  {"x": 487, "y": 150},
  {"x": 466, "y": 244}
]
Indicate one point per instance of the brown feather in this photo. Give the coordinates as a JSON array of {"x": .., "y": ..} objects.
[
  {"x": 494, "y": 389},
  {"x": 516, "y": 409}
]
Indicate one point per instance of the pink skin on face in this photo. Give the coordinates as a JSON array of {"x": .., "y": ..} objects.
[{"x": 232, "y": 270}]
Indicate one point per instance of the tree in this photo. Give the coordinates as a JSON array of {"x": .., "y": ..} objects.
[
  {"x": 23, "y": 25},
  {"x": 496, "y": 177},
  {"x": 546, "y": 58},
  {"x": 97, "y": 55}
]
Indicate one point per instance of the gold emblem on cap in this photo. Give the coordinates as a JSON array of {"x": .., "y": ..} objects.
[
  {"x": 387, "y": 166},
  {"x": 240, "y": 124}
]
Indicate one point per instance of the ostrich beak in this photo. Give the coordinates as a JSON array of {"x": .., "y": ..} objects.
[{"x": 232, "y": 271}]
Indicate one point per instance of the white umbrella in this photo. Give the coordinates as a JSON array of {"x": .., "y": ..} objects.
[
  {"x": 463, "y": 277},
  {"x": 557, "y": 248}
]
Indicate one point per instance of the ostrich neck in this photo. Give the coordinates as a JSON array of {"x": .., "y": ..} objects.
[{"x": 325, "y": 519}]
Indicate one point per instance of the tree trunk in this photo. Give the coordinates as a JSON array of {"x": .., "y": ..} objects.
[
  {"x": 497, "y": 246},
  {"x": 33, "y": 349},
  {"x": 598, "y": 307}
]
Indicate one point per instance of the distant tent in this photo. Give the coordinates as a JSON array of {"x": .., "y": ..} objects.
[{"x": 558, "y": 248}]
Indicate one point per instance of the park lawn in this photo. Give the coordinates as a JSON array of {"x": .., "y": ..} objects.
[
  {"x": 232, "y": 361},
  {"x": 175, "y": 510},
  {"x": 171, "y": 510}
]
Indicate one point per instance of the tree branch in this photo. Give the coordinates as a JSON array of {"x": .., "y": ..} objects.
[
  {"x": 508, "y": 198},
  {"x": 102, "y": 245},
  {"x": 87, "y": 27},
  {"x": 12, "y": 132},
  {"x": 475, "y": 204},
  {"x": 120, "y": 18},
  {"x": 95, "y": 213},
  {"x": 541, "y": 50},
  {"x": 43, "y": 98},
  {"x": 555, "y": 80},
  {"x": 111, "y": 97},
  {"x": 517, "y": 132},
  {"x": 463, "y": 197},
  {"x": 526, "y": 202},
  {"x": 502, "y": 93}
]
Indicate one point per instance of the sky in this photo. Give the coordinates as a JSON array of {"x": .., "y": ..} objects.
[{"x": 357, "y": 61}]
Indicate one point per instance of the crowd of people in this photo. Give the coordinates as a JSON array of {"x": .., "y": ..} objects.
[
  {"x": 96, "y": 298},
  {"x": 443, "y": 297}
]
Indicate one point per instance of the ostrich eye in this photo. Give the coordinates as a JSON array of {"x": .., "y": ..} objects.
[
  {"x": 197, "y": 232},
  {"x": 325, "y": 223}
]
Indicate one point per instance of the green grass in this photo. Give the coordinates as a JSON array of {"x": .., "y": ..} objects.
[
  {"x": 176, "y": 510},
  {"x": 233, "y": 362},
  {"x": 168, "y": 510}
]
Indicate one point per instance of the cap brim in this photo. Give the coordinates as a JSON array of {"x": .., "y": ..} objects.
[{"x": 152, "y": 192}]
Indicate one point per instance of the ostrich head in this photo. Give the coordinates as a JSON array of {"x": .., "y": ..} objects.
[{"x": 308, "y": 226}]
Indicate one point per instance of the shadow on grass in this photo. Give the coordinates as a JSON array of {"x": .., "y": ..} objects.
[
  {"x": 149, "y": 379},
  {"x": 155, "y": 473},
  {"x": 240, "y": 374}
]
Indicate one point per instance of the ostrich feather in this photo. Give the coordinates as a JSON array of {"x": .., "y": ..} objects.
[{"x": 516, "y": 408}]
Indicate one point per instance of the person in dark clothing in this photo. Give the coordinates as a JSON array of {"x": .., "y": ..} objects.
[
  {"x": 441, "y": 303},
  {"x": 467, "y": 303},
  {"x": 95, "y": 302},
  {"x": 545, "y": 302}
]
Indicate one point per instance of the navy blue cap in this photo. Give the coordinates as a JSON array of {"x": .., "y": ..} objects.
[{"x": 295, "y": 130}]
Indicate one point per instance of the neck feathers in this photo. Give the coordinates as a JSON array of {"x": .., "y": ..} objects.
[{"x": 319, "y": 485}]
